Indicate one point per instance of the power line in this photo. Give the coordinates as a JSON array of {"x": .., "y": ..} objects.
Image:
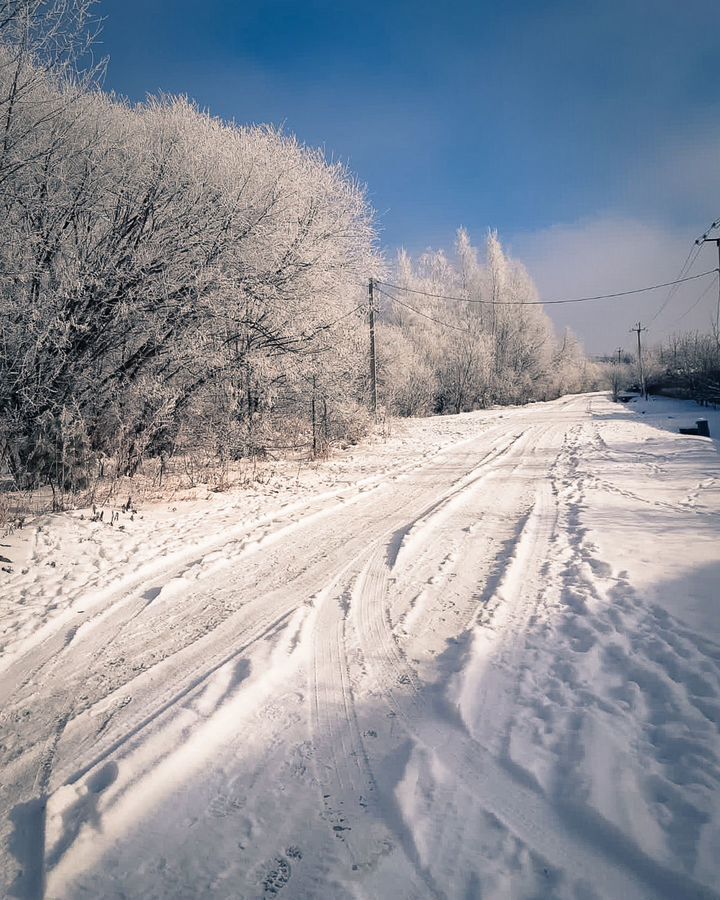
[
  {"x": 652, "y": 287},
  {"x": 694, "y": 252},
  {"x": 326, "y": 326},
  {"x": 697, "y": 302},
  {"x": 419, "y": 313},
  {"x": 715, "y": 224},
  {"x": 713, "y": 240},
  {"x": 335, "y": 321},
  {"x": 690, "y": 260}
]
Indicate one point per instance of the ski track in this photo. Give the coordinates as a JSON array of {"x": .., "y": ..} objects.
[{"x": 429, "y": 685}]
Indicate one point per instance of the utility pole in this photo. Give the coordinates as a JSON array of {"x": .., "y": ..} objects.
[
  {"x": 314, "y": 421},
  {"x": 638, "y": 328},
  {"x": 716, "y": 241},
  {"x": 617, "y": 378},
  {"x": 373, "y": 361}
]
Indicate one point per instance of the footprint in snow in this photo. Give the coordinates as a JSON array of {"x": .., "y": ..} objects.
[
  {"x": 277, "y": 877},
  {"x": 223, "y": 806}
]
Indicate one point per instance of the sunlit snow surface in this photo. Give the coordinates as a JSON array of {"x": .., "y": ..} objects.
[{"x": 479, "y": 659}]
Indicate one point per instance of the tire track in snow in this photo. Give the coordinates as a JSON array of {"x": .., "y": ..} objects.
[
  {"x": 127, "y": 607},
  {"x": 193, "y": 676},
  {"x": 342, "y": 759},
  {"x": 571, "y": 836},
  {"x": 451, "y": 841},
  {"x": 129, "y": 588},
  {"x": 149, "y": 771},
  {"x": 351, "y": 797},
  {"x": 474, "y": 558},
  {"x": 193, "y": 660},
  {"x": 442, "y": 507}
]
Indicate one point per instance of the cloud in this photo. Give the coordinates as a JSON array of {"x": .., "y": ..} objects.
[
  {"x": 609, "y": 254},
  {"x": 680, "y": 178},
  {"x": 665, "y": 197}
]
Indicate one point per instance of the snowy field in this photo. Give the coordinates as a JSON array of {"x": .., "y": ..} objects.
[{"x": 480, "y": 659}]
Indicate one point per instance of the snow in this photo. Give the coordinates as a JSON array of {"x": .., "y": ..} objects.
[{"x": 477, "y": 658}]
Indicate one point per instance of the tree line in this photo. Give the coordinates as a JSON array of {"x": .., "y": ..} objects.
[
  {"x": 684, "y": 365},
  {"x": 489, "y": 345},
  {"x": 170, "y": 281}
]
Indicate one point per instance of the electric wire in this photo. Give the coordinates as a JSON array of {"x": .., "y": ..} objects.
[
  {"x": 613, "y": 296},
  {"x": 715, "y": 224},
  {"x": 419, "y": 313},
  {"x": 690, "y": 260},
  {"x": 698, "y": 301},
  {"x": 335, "y": 321}
]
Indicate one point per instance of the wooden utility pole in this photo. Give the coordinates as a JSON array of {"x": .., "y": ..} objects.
[
  {"x": 638, "y": 328},
  {"x": 716, "y": 241},
  {"x": 373, "y": 361},
  {"x": 617, "y": 378},
  {"x": 314, "y": 419}
]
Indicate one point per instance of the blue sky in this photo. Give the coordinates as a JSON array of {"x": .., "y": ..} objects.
[{"x": 583, "y": 125}]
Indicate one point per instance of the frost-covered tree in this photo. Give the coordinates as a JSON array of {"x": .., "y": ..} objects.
[
  {"x": 686, "y": 364},
  {"x": 166, "y": 278},
  {"x": 492, "y": 343}
]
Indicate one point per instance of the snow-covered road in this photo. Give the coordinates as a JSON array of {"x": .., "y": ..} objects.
[{"x": 486, "y": 664}]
